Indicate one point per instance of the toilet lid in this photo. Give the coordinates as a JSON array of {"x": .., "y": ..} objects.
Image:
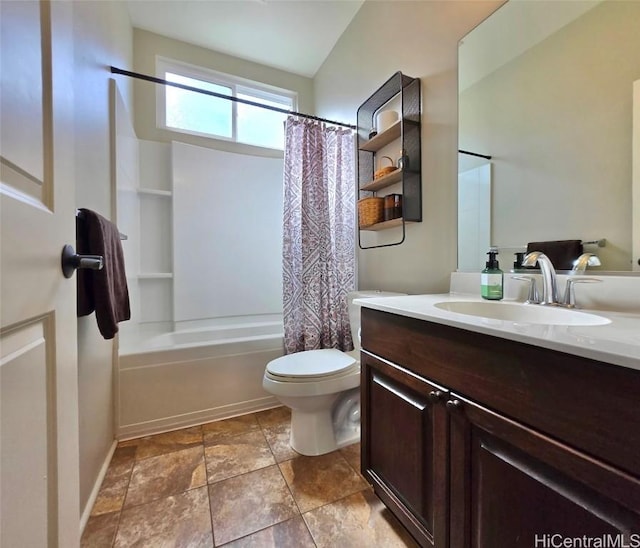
[{"x": 312, "y": 363}]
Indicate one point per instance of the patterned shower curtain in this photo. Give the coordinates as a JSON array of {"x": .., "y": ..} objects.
[{"x": 318, "y": 235}]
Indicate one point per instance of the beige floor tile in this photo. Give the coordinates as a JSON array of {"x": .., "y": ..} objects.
[
  {"x": 114, "y": 486},
  {"x": 316, "y": 481},
  {"x": 352, "y": 455},
  {"x": 100, "y": 531},
  {"x": 164, "y": 475},
  {"x": 178, "y": 520},
  {"x": 237, "y": 455},
  {"x": 245, "y": 504},
  {"x": 219, "y": 430},
  {"x": 274, "y": 417},
  {"x": 292, "y": 533},
  {"x": 249, "y": 502},
  {"x": 278, "y": 438},
  {"x": 357, "y": 520},
  {"x": 160, "y": 444}
]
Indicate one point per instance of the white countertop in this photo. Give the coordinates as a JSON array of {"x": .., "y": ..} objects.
[{"x": 617, "y": 342}]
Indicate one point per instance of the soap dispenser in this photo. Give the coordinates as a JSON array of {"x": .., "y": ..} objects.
[
  {"x": 517, "y": 264},
  {"x": 492, "y": 278}
]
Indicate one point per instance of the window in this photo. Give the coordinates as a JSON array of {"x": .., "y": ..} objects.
[{"x": 191, "y": 112}]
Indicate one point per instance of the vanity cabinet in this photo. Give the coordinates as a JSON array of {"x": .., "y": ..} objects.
[
  {"x": 401, "y": 93},
  {"x": 475, "y": 441},
  {"x": 405, "y": 456},
  {"x": 510, "y": 485}
]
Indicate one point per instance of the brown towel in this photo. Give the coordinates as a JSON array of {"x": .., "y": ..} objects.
[
  {"x": 104, "y": 291},
  {"x": 561, "y": 253}
]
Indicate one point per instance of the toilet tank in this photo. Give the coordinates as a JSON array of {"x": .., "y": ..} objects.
[{"x": 354, "y": 311}]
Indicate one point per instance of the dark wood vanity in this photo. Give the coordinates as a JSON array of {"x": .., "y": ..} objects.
[{"x": 478, "y": 441}]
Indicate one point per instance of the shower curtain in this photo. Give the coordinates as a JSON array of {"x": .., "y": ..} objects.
[{"x": 318, "y": 235}]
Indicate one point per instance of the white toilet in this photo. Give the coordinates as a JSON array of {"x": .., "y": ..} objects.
[{"x": 322, "y": 388}]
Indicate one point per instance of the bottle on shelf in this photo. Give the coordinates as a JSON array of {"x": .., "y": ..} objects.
[{"x": 392, "y": 206}]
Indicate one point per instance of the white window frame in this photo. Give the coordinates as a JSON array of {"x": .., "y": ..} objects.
[{"x": 237, "y": 85}]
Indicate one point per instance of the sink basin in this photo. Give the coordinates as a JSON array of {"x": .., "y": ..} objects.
[{"x": 522, "y": 313}]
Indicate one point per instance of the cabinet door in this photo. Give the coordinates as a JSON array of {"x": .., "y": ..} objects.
[
  {"x": 511, "y": 486},
  {"x": 404, "y": 447}
]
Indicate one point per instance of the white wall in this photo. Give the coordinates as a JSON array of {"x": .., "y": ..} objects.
[
  {"x": 227, "y": 238},
  {"x": 102, "y": 37},
  {"x": 419, "y": 39}
]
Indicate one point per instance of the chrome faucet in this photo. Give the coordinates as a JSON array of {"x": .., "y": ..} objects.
[
  {"x": 532, "y": 296},
  {"x": 579, "y": 267},
  {"x": 581, "y": 263},
  {"x": 569, "y": 300},
  {"x": 549, "y": 284}
]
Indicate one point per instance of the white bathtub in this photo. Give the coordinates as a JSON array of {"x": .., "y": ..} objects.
[
  {"x": 218, "y": 335},
  {"x": 168, "y": 380}
]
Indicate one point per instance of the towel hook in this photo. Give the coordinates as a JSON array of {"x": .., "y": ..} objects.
[{"x": 72, "y": 261}]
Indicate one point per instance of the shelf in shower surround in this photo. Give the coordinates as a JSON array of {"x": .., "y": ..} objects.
[
  {"x": 155, "y": 276},
  {"x": 155, "y": 192}
]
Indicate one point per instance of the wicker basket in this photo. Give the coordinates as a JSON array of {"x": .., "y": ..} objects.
[
  {"x": 384, "y": 170},
  {"x": 370, "y": 211}
]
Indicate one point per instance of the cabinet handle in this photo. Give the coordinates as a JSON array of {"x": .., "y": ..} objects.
[
  {"x": 454, "y": 405},
  {"x": 435, "y": 396}
]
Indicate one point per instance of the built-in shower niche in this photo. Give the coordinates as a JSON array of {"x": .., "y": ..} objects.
[{"x": 156, "y": 235}]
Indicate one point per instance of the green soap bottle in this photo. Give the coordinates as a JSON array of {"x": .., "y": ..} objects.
[{"x": 492, "y": 278}]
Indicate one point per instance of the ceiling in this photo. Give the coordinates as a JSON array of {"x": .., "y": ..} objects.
[{"x": 292, "y": 35}]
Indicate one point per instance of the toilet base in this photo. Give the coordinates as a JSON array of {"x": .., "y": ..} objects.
[
  {"x": 347, "y": 438},
  {"x": 331, "y": 424},
  {"x": 306, "y": 441},
  {"x": 312, "y": 433},
  {"x": 346, "y": 418}
]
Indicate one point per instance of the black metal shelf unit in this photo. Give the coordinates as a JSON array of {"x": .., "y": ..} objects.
[{"x": 408, "y": 91}]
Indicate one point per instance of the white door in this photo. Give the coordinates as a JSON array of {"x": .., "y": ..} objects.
[
  {"x": 38, "y": 352},
  {"x": 635, "y": 185}
]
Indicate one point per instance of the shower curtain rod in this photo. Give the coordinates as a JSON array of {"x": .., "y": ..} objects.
[
  {"x": 474, "y": 154},
  {"x": 155, "y": 80}
]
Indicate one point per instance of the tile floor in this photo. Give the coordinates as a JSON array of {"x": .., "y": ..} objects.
[{"x": 237, "y": 483}]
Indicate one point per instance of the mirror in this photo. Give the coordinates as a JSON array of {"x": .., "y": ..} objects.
[{"x": 546, "y": 89}]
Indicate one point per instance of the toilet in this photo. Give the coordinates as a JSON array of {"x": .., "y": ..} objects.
[{"x": 322, "y": 389}]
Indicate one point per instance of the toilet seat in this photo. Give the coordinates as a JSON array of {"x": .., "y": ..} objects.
[{"x": 311, "y": 365}]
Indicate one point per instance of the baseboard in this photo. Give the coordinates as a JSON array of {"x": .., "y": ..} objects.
[
  {"x": 84, "y": 518},
  {"x": 176, "y": 422}
]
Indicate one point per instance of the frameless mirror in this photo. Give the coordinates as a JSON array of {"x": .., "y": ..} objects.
[{"x": 546, "y": 89}]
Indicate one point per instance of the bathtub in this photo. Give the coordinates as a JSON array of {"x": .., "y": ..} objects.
[{"x": 194, "y": 374}]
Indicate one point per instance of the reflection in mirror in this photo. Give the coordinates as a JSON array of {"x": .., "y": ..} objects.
[
  {"x": 546, "y": 89},
  {"x": 474, "y": 216}
]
